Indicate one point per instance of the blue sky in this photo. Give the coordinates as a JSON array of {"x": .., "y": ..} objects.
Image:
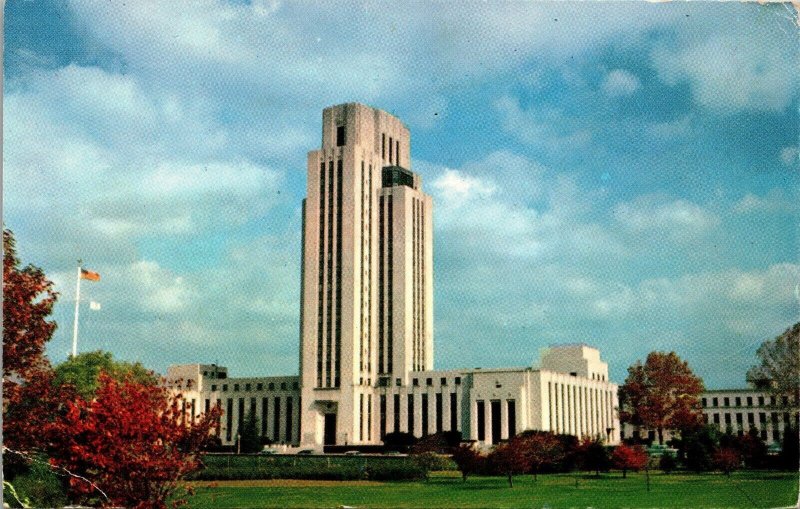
[{"x": 620, "y": 174}]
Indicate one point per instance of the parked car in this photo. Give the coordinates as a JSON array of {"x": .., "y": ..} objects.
[
  {"x": 269, "y": 451},
  {"x": 352, "y": 453},
  {"x": 305, "y": 452}
]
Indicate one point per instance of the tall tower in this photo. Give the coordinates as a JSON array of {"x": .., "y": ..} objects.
[{"x": 367, "y": 295}]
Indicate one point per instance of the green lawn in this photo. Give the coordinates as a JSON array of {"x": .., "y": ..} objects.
[{"x": 742, "y": 489}]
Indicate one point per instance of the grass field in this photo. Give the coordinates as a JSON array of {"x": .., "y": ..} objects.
[{"x": 445, "y": 490}]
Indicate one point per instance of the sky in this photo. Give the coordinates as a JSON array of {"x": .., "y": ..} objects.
[{"x": 619, "y": 174}]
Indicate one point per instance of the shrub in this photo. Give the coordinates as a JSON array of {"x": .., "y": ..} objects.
[
  {"x": 468, "y": 460},
  {"x": 399, "y": 441},
  {"x": 629, "y": 458},
  {"x": 40, "y": 486},
  {"x": 727, "y": 459},
  {"x": 667, "y": 463}
]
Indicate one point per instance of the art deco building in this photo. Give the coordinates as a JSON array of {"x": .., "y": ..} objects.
[
  {"x": 367, "y": 272},
  {"x": 366, "y": 322}
]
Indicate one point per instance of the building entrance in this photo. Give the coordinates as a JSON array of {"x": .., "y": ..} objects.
[{"x": 330, "y": 429}]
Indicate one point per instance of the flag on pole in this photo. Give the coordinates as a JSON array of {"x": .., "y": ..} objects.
[
  {"x": 91, "y": 276},
  {"x": 94, "y": 306}
]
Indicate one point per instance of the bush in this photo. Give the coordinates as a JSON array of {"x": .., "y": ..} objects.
[
  {"x": 335, "y": 468},
  {"x": 40, "y": 486},
  {"x": 667, "y": 463},
  {"x": 399, "y": 441},
  {"x": 699, "y": 445}
]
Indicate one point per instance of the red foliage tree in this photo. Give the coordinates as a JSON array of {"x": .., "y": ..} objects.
[
  {"x": 542, "y": 449},
  {"x": 661, "y": 394},
  {"x": 727, "y": 459},
  {"x": 133, "y": 441},
  {"x": 467, "y": 459},
  {"x": 28, "y": 300},
  {"x": 510, "y": 458},
  {"x": 627, "y": 457}
]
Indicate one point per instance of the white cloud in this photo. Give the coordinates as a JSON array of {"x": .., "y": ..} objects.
[
  {"x": 729, "y": 73},
  {"x": 789, "y": 156},
  {"x": 620, "y": 83},
  {"x": 776, "y": 200},
  {"x": 544, "y": 127},
  {"x": 679, "y": 218}
]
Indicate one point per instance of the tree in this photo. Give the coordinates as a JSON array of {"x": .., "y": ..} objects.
[
  {"x": 468, "y": 460},
  {"x": 752, "y": 448},
  {"x": 727, "y": 459},
  {"x": 779, "y": 365},
  {"x": 509, "y": 458},
  {"x": 627, "y": 457},
  {"x": 790, "y": 448},
  {"x": 661, "y": 394},
  {"x": 593, "y": 455},
  {"x": 249, "y": 439},
  {"x": 543, "y": 449},
  {"x": 28, "y": 300},
  {"x": 132, "y": 441},
  {"x": 83, "y": 372},
  {"x": 699, "y": 446}
]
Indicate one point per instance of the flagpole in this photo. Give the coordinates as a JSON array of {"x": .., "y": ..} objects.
[{"x": 77, "y": 308}]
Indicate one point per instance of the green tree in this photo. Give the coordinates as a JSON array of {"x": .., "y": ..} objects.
[
  {"x": 699, "y": 446},
  {"x": 663, "y": 393},
  {"x": 83, "y": 372},
  {"x": 249, "y": 438},
  {"x": 779, "y": 365}
]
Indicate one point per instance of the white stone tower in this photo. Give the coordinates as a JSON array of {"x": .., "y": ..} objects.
[{"x": 367, "y": 295}]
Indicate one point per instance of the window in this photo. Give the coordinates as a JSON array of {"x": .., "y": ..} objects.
[
  {"x": 762, "y": 417},
  {"x": 749, "y": 400},
  {"x": 396, "y": 411},
  {"x": 738, "y": 401},
  {"x": 751, "y": 418},
  {"x": 443, "y": 381},
  {"x": 716, "y": 418},
  {"x": 283, "y": 386},
  {"x": 512, "y": 418},
  {"x": 761, "y": 401},
  {"x": 259, "y": 387},
  {"x": 705, "y": 403},
  {"x": 248, "y": 387},
  {"x": 727, "y": 419},
  {"x": 383, "y": 146},
  {"x": 573, "y": 373},
  {"x": 225, "y": 388},
  {"x": 205, "y": 373},
  {"x": 774, "y": 417},
  {"x": 715, "y": 401},
  {"x": 398, "y": 382},
  {"x": 429, "y": 382},
  {"x": 229, "y": 418},
  {"x": 438, "y": 417},
  {"x": 424, "y": 414},
  {"x": 271, "y": 386},
  {"x": 213, "y": 388},
  {"x": 415, "y": 382},
  {"x": 235, "y": 387},
  {"x": 772, "y": 400},
  {"x": 481, "y": 422},
  {"x": 727, "y": 401},
  {"x": 785, "y": 401},
  {"x": 410, "y": 414},
  {"x": 453, "y": 412},
  {"x": 340, "y": 141},
  {"x": 458, "y": 380},
  {"x": 739, "y": 418}
]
